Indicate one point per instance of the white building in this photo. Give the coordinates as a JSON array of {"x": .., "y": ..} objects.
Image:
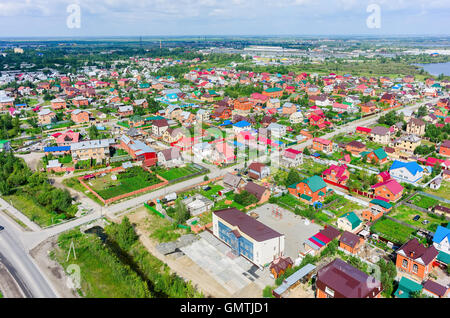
[{"x": 248, "y": 237}]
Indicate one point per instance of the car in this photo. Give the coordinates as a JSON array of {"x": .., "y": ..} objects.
[
  {"x": 1, "y": 228},
  {"x": 416, "y": 218},
  {"x": 425, "y": 222}
]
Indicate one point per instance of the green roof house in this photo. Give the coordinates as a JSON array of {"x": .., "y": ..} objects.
[
  {"x": 406, "y": 287},
  {"x": 349, "y": 222}
]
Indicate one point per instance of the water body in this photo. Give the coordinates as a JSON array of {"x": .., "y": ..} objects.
[{"x": 436, "y": 69}]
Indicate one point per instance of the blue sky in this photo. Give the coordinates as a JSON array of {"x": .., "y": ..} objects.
[{"x": 30, "y": 18}]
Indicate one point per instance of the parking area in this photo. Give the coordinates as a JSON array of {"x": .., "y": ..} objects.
[
  {"x": 233, "y": 273},
  {"x": 295, "y": 228}
]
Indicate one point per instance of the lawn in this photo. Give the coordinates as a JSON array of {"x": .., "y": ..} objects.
[
  {"x": 443, "y": 192},
  {"x": 406, "y": 214},
  {"x": 32, "y": 210},
  {"x": 176, "y": 173},
  {"x": 424, "y": 202},
  {"x": 290, "y": 201},
  {"x": 229, "y": 197},
  {"x": 392, "y": 231},
  {"x": 311, "y": 168},
  {"x": 131, "y": 180},
  {"x": 343, "y": 205},
  {"x": 213, "y": 191}
]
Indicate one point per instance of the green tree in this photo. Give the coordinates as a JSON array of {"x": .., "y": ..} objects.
[
  {"x": 93, "y": 132},
  {"x": 292, "y": 178}
]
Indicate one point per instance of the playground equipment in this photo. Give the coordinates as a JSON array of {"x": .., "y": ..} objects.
[{"x": 277, "y": 213}]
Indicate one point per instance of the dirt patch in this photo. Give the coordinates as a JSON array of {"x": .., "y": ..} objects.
[
  {"x": 183, "y": 266},
  {"x": 52, "y": 269},
  {"x": 301, "y": 291}
]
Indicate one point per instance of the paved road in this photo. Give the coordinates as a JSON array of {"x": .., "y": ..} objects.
[{"x": 20, "y": 264}]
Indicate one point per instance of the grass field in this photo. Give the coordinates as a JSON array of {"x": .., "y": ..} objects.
[
  {"x": 406, "y": 214},
  {"x": 133, "y": 179},
  {"x": 311, "y": 168},
  {"x": 392, "y": 231},
  {"x": 229, "y": 197},
  {"x": 176, "y": 173},
  {"x": 443, "y": 192},
  {"x": 33, "y": 211},
  {"x": 423, "y": 201}
]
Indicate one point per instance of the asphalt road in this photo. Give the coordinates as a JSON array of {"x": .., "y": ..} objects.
[{"x": 20, "y": 264}]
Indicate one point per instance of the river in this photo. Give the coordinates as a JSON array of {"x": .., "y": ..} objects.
[{"x": 436, "y": 69}]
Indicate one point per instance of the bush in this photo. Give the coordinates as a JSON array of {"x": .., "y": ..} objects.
[{"x": 245, "y": 198}]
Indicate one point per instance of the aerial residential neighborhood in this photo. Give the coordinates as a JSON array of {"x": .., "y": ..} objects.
[{"x": 234, "y": 168}]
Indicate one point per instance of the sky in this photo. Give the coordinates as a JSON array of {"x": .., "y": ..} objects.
[{"x": 55, "y": 18}]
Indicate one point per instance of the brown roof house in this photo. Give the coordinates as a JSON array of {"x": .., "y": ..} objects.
[
  {"x": 170, "y": 157},
  {"x": 280, "y": 265},
  {"x": 416, "y": 126},
  {"x": 260, "y": 192},
  {"x": 233, "y": 181},
  {"x": 341, "y": 280},
  {"x": 380, "y": 135},
  {"x": 258, "y": 171}
]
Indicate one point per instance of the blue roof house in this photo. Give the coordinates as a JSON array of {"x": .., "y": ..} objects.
[
  {"x": 441, "y": 241},
  {"x": 242, "y": 125},
  {"x": 410, "y": 172}
]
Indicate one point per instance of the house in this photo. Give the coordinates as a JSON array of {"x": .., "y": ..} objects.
[
  {"x": 355, "y": 148},
  {"x": 277, "y": 130},
  {"x": 407, "y": 143},
  {"x": 232, "y": 181},
  {"x": 317, "y": 243},
  {"x": 441, "y": 241},
  {"x": 339, "y": 279},
  {"x": 292, "y": 157},
  {"x": 223, "y": 153},
  {"x": 125, "y": 111},
  {"x": 93, "y": 149},
  {"x": 260, "y": 192},
  {"x": 258, "y": 171},
  {"x": 138, "y": 150},
  {"x": 240, "y": 126},
  {"x": 381, "y": 135},
  {"x": 140, "y": 103},
  {"x": 390, "y": 190},
  {"x": 279, "y": 266},
  {"x": 369, "y": 108},
  {"x": 309, "y": 190},
  {"x": 323, "y": 145},
  {"x": 243, "y": 104},
  {"x": 170, "y": 157},
  {"x": 202, "y": 150},
  {"x": 248, "y": 237},
  {"x": 221, "y": 112},
  {"x": 435, "y": 290},
  {"x": 416, "y": 126},
  {"x": 80, "y": 101},
  {"x": 410, "y": 172},
  {"x": 336, "y": 174},
  {"x": 159, "y": 126},
  {"x": 363, "y": 130},
  {"x": 79, "y": 116},
  {"x": 58, "y": 103},
  {"x": 416, "y": 259},
  {"x": 289, "y": 109},
  {"x": 444, "y": 149},
  {"x": 5, "y": 145},
  {"x": 349, "y": 222},
  {"x": 406, "y": 287},
  {"x": 296, "y": 118},
  {"x": 377, "y": 208},
  {"x": 46, "y": 117},
  {"x": 377, "y": 156},
  {"x": 350, "y": 242},
  {"x": 197, "y": 204},
  {"x": 67, "y": 138},
  {"x": 274, "y": 92},
  {"x": 172, "y": 135}
]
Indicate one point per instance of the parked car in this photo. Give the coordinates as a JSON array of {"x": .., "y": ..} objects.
[
  {"x": 425, "y": 222},
  {"x": 416, "y": 218},
  {"x": 1, "y": 228}
]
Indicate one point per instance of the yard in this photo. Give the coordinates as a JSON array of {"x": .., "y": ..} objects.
[
  {"x": 424, "y": 202},
  {"x": 311, "y": 168},
  {"x": 176, "y": 173},
  {"x": 131, "y": 180},
  {"x": 392, "y": 231},
  {"x": 406, "y": 214},
  {"x": 443, "y": 192}
]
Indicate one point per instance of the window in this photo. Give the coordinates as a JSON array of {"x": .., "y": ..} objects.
[
  {"x": 415, "y": 268},
  {"x": 405, "y": 263}
]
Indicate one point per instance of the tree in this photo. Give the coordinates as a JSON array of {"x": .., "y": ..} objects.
[
  {"x": 93, "y": 132},
  {"x": 293, "y": 178},
  {"x": 422, "y": 111},
  {"x": 245, "y": 198},
  {"x": 388, "y": 274},
  {"x": 181, "y": 212},
  {"x": 306, "y": 151}
]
